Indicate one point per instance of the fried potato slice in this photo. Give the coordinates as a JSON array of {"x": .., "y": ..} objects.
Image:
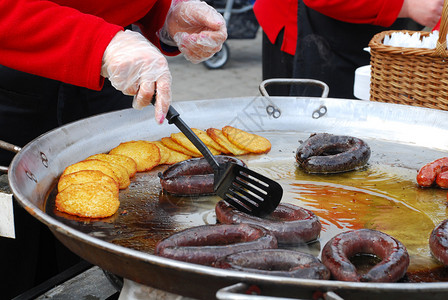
[
  {"x": 221, "y": 139},
  {"x": 144, "y": 153},
  {"x": 247, "y": 141},
  {"x": 128, "y": 163},
  {"x": 164, "y": 152},
  {"x": 170, "y": 143},
  {"x": 90, "y": 199},
  {"x": 85, "y": 176},
  {"x": 120, "y": 172},
  {"x": 97, "y": 165},
  {"x": 176, "y": 157},
  {"x": 172, "y": 156},
  {"x": 209, "y": 141},
  {"x": 182, "y": 139}
]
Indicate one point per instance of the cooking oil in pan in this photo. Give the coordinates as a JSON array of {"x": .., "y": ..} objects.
[{"x": 380, "y": 197}]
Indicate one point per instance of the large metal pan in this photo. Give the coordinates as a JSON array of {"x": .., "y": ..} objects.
[{"x": 399, "y": 136}]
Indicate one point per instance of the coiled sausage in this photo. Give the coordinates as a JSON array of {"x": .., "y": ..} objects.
[
  {"x": 205, "y": 244},
  {"x": 276, "y": 262},
  {"x": 337, "y": 252},
  {"x": 192, "y": 176},
  {"x": 438, "y": 242},
  {"x": 289, "y": 223},
  {"x": 328, "y": 153},
  {"x": 427, "y": 174}
]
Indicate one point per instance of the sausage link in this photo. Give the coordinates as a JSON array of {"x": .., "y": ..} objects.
[
  {"x": 193, "y": 176},
  {"x": 276, "y": 262},
  {"x": 337, "y": 252},
  {"x": 442, "y": 179},
  {"x": 438, "y": 242},
  {"x": 427, "y": 174},
  {"x": 289, "y": 223},
  {"x": 328, "y": 153},
  {"x": 205, "y": 244}
]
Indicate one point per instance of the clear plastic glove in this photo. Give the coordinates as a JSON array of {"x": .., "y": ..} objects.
[
  {"x": 426, "y": 13},
  {"x": 137, "y": 68},
  {"x": 196, "y": 28}
]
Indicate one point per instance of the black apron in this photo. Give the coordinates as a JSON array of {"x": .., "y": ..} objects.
[
  {"x": 330, "y": 50},
  {"x": 30, "y": 106}
]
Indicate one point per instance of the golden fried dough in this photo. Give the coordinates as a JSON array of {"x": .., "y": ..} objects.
[
  {"x": 170, "y": 143},
  {"x": 208, "y": 141},
  {"x": 98, "y": 165},
  {"x": 144, "y": 153},
  {"x": 128, "y": 163},
  {"x": 221, "y": 139},
  {"x": 91, "y": 200},
  {"x": 85, "y": 176},
  {"x": 182, "y": 139},
  {"x": 247, "y": 141}
]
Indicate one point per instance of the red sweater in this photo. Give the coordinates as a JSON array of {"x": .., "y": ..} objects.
[
  {"x": 273, "y": 15},
  {"x": 65, "y": 39}
]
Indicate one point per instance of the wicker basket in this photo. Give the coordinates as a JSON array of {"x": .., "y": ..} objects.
[{"x": 410, "y": 76}]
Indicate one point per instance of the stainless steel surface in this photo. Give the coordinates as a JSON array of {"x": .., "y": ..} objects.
[
  {"x": 294, "y": 81},
  {"x": 239, "y": 291},
  {"x": 420, "y": 133}
]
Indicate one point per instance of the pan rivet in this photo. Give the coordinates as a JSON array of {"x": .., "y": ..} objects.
[
  {"x": 273, "y": 111},
  {"x": 31, "y": 176},
  {"x": 321, "y": 111},
  {"x": 44, "y": 159}
]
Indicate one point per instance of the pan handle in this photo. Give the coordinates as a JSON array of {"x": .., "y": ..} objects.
[
  {"x": 294, "y": 81},
  {"x": 240, "y": 291},
  {"x": 9, "y": 147}
]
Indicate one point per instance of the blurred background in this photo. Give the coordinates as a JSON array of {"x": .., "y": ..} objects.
[
  {"x": 239, "y": 77},
  {"x": 233, "y": 72}
]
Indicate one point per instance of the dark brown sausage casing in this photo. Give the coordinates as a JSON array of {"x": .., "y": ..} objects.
[
  {"x": 192, "y": 176},
  {"x": 289, "y": 223},
  {"x": 394, "y": 257},
  {"x": 205, "y": 244},
  {"x": 438, "y": 242},
  {"x": 328, "y": 153},
  {"x": 276, "y": 262}
]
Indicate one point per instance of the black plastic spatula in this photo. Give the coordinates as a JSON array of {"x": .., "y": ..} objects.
[{"x": 239, "y": 186}]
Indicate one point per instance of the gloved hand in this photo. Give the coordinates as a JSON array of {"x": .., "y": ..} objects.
[
  {"x": 196, "y": 28},
  {"x": 137, "y": 68}
]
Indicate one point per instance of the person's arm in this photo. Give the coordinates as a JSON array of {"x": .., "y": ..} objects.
[
  {"x": 53, "y": 41},
  {"x": 426, "y": 13},
  {"x": 382, "y": 12}
]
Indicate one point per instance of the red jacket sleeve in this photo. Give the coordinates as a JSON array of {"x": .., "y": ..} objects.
[
  {"x": 275, "y": 15},
  {"x": 67, "y": 43},
  {"x": 53, "y": 41},
  {"x": 375, "y": 12}
]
